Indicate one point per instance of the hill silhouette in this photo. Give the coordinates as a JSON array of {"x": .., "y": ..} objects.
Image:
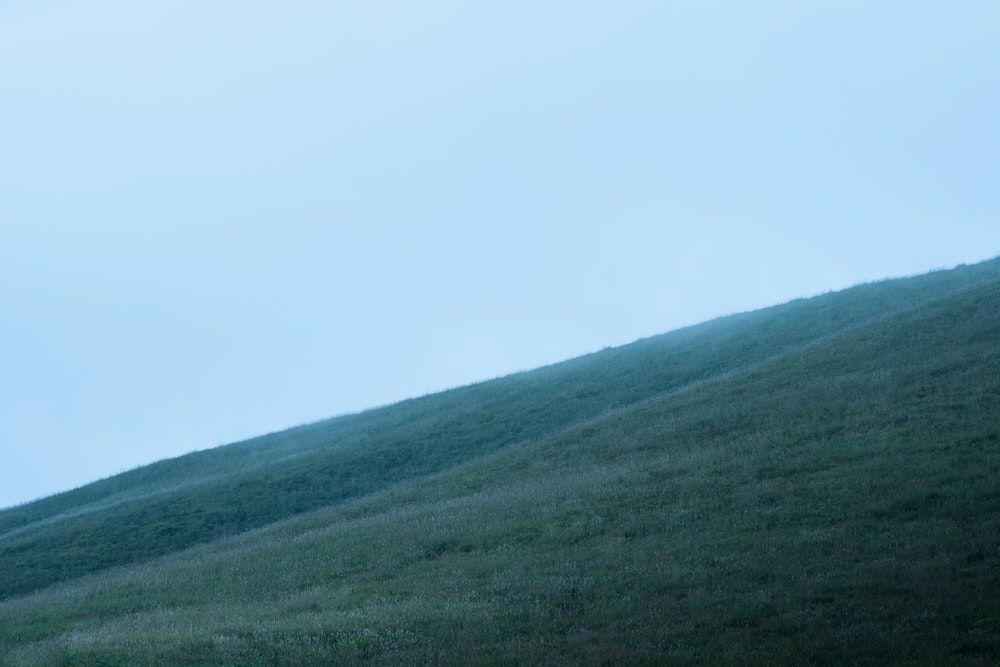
[{"x": 817, "y": 482}]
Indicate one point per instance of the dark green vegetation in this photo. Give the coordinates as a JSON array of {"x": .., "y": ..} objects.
[{"x": 814, "y": 483}]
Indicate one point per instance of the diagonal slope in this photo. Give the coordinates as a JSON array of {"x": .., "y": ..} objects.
[
  {"x": 204, "y": 496},
  {"x": 836, "y": 503}
]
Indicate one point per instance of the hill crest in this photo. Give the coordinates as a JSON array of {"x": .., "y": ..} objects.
[{"x": 759, "y": 427}]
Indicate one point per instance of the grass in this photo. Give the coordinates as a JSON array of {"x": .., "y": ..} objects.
[{"x": 817, "y": 483}]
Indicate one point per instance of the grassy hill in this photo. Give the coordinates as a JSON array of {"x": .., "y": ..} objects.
[{"x": 813, "y": 483}]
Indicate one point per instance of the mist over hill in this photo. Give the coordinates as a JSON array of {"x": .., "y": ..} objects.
[{"x": 816, "y": 482}]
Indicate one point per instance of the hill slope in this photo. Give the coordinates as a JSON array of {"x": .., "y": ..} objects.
[{"x": 813, "y": 482}]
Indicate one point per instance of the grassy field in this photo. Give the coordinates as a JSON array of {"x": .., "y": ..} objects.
[{"x": 815, "y": 483}]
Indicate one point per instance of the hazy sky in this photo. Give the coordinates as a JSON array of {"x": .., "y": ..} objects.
[{"x": 223, "y": 218}]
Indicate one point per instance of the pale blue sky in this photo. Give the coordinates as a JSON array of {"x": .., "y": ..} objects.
[{"x": 223, "y": 218}]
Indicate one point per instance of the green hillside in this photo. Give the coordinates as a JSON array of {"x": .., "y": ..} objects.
[{"x": 813, "y": 483}]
